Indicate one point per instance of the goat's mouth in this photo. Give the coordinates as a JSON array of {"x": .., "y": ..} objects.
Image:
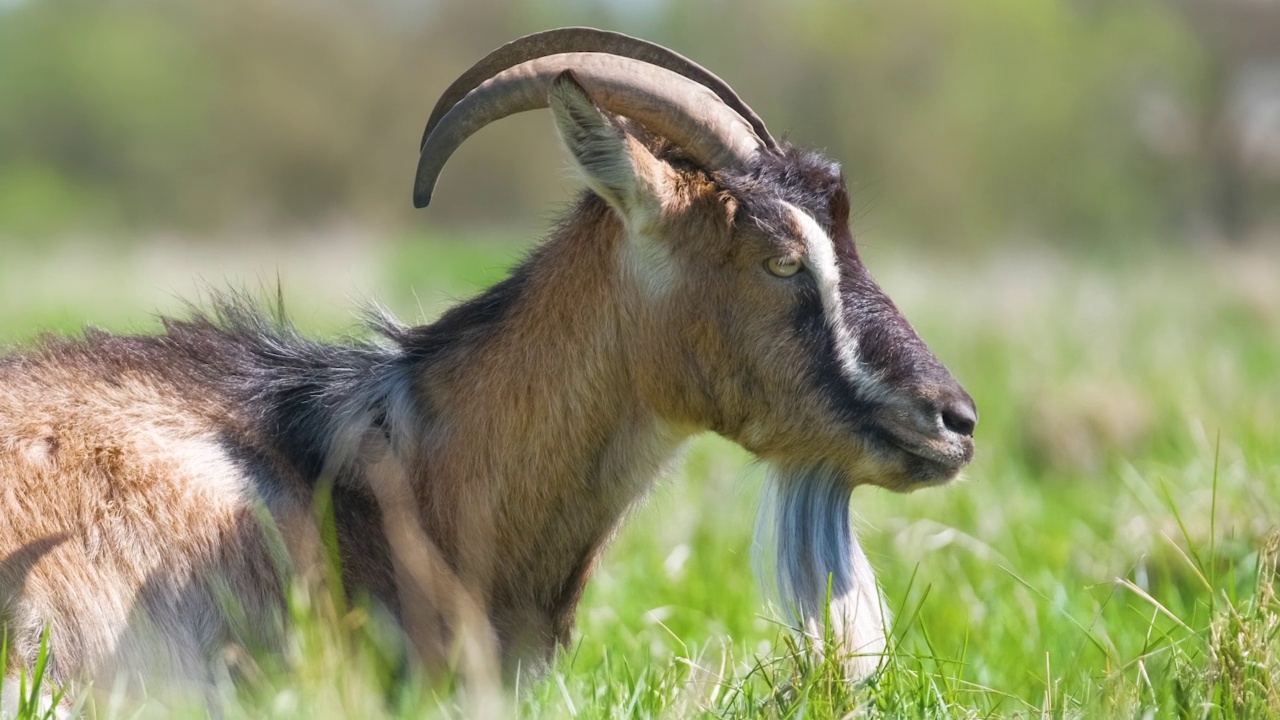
[{"x": 923, "y": 459}]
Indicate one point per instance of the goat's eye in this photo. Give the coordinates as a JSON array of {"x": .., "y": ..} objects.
[{"x": 783, "y": 266}]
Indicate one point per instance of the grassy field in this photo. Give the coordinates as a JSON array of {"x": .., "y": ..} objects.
[{"x": 1111, "y": 553}]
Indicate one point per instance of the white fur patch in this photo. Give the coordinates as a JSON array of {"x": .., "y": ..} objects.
[
  {"x": 356, "y": 434},
  {"x": 9, "y": 698},
  {"x": 40, "y": 452},
  {"x": 208, "y": 468},
  {"x": 44, "y": 705},
  {"x": 648, "y": 262}
]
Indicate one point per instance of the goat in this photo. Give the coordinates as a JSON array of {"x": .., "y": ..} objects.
[{"x": 706, "y": 280}]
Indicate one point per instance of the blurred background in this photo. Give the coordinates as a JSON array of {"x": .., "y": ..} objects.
[{"x": 1075, "y": 123}]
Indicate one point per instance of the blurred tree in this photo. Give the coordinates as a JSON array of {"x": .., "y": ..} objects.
[
  {"x": 96, "y": 98},
  {"x": 1237, "y": 113}
]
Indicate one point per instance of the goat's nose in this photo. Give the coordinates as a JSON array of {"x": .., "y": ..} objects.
[{"x": 959, "y": 414}]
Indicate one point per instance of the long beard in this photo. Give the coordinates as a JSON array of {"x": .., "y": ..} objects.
[{"x": 805, "y": 519}]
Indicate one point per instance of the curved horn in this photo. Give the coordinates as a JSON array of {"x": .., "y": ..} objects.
[
  {"x": 585, "y": 39},
  {"x": 668, "y": 104}
]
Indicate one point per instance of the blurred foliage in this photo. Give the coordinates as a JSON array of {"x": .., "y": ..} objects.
[{"x": 1071, "y": 121}]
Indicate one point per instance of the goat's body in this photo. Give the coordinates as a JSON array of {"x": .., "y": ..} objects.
[{"x": 133, "y": 470}]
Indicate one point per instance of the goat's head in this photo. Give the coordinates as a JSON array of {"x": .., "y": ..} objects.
[
  {"x": 756, "y": 317},
  {"x": 747, "y": 307}
]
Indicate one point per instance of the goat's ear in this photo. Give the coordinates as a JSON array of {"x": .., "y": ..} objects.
[{"x": 615, "y": 165}]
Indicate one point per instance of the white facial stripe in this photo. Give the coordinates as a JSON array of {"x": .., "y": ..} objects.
[
  {"x": 822, "y": 263},
  {"x": 822, "y": 256}
]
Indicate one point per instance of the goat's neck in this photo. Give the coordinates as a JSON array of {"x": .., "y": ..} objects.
[{"x": 547, "y": 442}]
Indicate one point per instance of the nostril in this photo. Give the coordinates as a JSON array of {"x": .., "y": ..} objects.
[{"x": 960, "y": 417}]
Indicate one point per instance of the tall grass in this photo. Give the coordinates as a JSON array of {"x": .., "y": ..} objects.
[{"x": 1112, "y": 553}]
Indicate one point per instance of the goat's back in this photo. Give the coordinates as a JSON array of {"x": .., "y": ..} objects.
[{"x": 127, "y": 508}]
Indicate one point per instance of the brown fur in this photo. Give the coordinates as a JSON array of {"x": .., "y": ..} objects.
[{"x": 114, "y": 514}]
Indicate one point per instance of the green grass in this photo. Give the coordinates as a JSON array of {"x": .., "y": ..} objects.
[{"x": 1112, "y": 552}]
